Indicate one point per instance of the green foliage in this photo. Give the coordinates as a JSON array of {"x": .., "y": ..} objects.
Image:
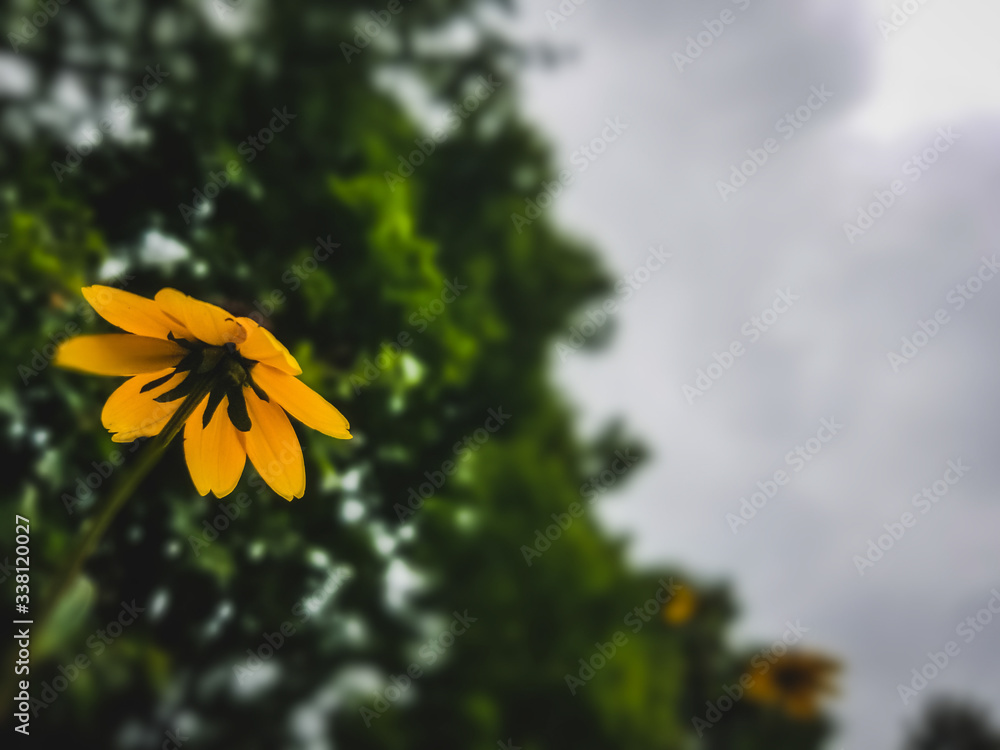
[
  {"x": 948, "y": 724},
  {"x": 210, "y": 596}
]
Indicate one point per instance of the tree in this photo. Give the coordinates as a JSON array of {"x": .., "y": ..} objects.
[
  {"x": 948, "y": 724},
  {"x": 241, "y": 152}
]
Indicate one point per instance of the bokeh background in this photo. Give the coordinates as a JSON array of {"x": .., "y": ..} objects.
[{"x": 549, "y": 158}]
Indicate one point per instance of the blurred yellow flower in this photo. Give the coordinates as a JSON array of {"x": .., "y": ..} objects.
[
  {"x": 681, "y": 606},
  {"x": 794, "y": 683},
  {"x": 177, "y": 348}
]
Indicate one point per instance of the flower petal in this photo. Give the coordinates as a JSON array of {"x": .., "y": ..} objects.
[
  {"x": 273, "y": 447},
  {"x": 215, "y": 455},
  {"x": 262, "y": 346},
  {"x": 208, "y": 323},
  {"x": 133, "y": 313},
  {"x": 118, "y": 354},
  {"x": 131, "y": 414},
  {"x": 301, "y": 401}
]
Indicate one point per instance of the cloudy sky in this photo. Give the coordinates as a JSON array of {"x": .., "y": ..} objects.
[{"x": 842, "y": 111}]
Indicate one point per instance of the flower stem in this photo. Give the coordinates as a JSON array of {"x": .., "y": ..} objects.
[
  {"x": 120, "y": 494},
  {"x": 93, "y": 531}
]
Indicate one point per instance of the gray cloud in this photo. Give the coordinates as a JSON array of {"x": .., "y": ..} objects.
[{"x": 827, "y": 356}]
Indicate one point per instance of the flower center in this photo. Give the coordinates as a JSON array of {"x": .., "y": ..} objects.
[{"x": 219, "y": 370}]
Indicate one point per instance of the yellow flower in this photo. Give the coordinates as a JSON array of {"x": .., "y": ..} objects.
[
  {"x": 680, "y": 607},
  {"x": 242, "y": 379},
  {"x": 794, "y": 683}
]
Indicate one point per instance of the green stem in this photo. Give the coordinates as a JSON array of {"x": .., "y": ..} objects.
[
  {"x": 120, "y": 494},
  {"x": 93, "y": 531}
]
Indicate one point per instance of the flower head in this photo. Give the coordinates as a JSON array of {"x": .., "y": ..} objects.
[
  {"x": 239, "y": 379},
  {"x": 795, "y": 683},
  {"x": 680, "y": 607}
]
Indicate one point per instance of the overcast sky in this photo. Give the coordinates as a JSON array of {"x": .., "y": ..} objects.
[
  {"x": 880, "y": 96},
  {"x": 834, "y": 109}
]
